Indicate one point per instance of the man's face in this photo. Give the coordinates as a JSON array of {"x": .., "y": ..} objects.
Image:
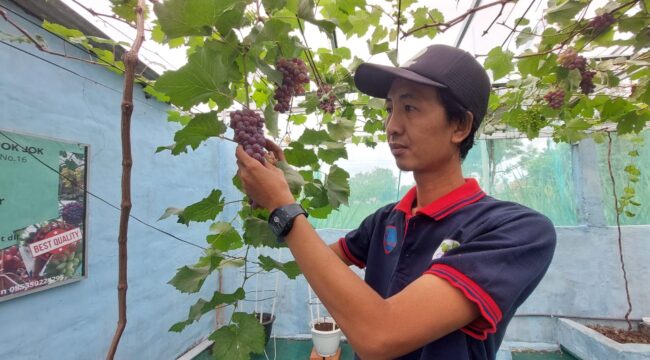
[{"x": 419, "y": 134}]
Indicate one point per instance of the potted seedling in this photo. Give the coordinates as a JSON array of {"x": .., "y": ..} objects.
[{"x": 325, "y": 333}]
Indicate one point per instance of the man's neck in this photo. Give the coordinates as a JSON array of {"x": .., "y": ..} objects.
[{"x": 431, "y": 186}]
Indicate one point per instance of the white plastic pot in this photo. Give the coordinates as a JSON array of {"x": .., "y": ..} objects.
[{"x": 326, "y": 342}]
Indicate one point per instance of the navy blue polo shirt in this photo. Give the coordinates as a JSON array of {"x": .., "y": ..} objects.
[{"x": 495, "y": 252}]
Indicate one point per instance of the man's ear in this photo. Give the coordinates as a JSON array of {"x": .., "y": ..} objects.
[{"x": 463, "y": 128}]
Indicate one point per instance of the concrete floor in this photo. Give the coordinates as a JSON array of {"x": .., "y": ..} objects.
[{"x": 300, "y": 350}]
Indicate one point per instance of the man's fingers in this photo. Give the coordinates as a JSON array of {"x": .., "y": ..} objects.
[
  {"x": 243, "y": 159},
  {"x": 275, "y": 149}
]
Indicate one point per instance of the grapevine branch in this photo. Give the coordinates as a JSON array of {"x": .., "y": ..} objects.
[
  {"x": 575, "y": 31},
  {"x": 618, "y": 227},
  {"x": 310, "y": 56},
  {"x": 399, "y": 22},
  {"x": 512, "y": 30},
  {"x": 130, "y": 63},
  {"x": 503, "y": 5},
  {"x": 446, "y": 25},
  {"x": 100, "y": 15}
]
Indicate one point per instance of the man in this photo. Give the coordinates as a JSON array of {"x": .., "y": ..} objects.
[{"x": 447, "y": 266}]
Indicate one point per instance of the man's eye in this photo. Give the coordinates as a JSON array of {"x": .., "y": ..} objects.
[
  {"x": 409, "y": 108},
  {"x": 389, "y": 110}
]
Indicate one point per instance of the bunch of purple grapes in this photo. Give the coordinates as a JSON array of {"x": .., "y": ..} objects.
[
  {"x": 600, "y": 23},
  {"x": 326, "y": 97},
  {"x": 73, "y": 213},
  {"x": 294, "y": 77},
  {"x": 569, "y": 59},
  {"x": 555, "y": 98},
  {"x": 586, "y": 83},
  {"x": 249, "y": 132}
]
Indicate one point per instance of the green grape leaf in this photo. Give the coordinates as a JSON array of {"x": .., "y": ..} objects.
[
  {"x": 631, "y": 122},
  {"x": 332, "y": 152},
  {"x": 290, "y": 268},
  {"x": 175, "y": 116},
  {"x": 202, "y": 307},
  {"x": 225, "y": 237},
  {"x": 378, "y": 48},
  {"x": 426, "y": 16},
  {"x": 341, "y": 129},
  {"x": 125, "y": 9},
  {"x": 207, "y": 75},
  {"x": 169, "y": 212},
  {"x": 211, "y": 259},
  {"x": 499, "y": 62},
  {"x": 298, "y": 156},
  {"x": 271, "y": 5},
  {"x": 157, "y": 34},
  {"x": 524, "y": 36},
  {"x": 564, "y": 13},
  {"x": 199, "y": 129},
  {"x": 73, "y": 35},
  {"x": 313, "y": 137},
  {"x": 204, "y": 210},
  {"x": 163, "y": 148},
  {"x": 338, "y": 186},
  {"x": 271, "y": 120},
  {"x": 237, "y": 341},
  {"x": 298, "y": 119},
  {"x": 157, "y": 94},
  {"x": 317, "y": 195},
  {"x": 193, "y": 17},
  {"x": 258, "y": 233},
  {"x": 189, "y": 279},
  {"x": 293, "y": 177}
]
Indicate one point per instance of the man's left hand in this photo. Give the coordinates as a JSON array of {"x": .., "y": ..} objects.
[{"x": 264, "y": 184}]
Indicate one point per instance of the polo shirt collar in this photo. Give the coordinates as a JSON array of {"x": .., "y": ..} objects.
[{"x": 453, "y": 201}]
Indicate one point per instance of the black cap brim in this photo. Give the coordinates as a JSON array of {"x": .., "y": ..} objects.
[{"x": 376, "y": 80}]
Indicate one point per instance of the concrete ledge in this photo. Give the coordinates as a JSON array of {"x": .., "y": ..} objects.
[
  {"x": 520, "y": 346},
  {"x": 590, "y": 344}
]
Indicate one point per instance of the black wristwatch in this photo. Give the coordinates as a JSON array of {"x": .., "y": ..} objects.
[{"x": 281, "y": 219}]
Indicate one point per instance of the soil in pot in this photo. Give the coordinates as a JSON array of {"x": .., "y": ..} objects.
[
  {"x": 325, "y": 326},
  {"x": 623, "y": 336}
]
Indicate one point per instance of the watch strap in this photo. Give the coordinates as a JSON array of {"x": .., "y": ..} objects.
[{"x": 283, "y": 217}]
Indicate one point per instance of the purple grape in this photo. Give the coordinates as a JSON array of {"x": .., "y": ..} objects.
[
  {"x": 294, "y": 77},
  {"x": 249, "y": 132}
]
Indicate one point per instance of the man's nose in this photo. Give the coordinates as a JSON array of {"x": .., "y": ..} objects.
[{"x": 393, "y": 124}]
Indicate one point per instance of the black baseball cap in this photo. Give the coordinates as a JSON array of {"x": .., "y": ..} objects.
[{"x": 441, "y": 66}]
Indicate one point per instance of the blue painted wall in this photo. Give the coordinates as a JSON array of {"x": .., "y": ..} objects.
[{"x": 77, "y": 321}]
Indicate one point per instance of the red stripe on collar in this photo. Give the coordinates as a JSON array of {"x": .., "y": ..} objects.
[{"x": 466, "y": 194}]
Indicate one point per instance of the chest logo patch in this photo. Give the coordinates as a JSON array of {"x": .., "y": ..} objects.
[
  {"x": 390, "y": 239},
  {"x": 445, "y": 245}
]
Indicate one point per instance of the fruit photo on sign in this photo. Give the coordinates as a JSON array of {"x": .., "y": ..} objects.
[
  {"x": 72, "y": 172},
  {"x": 58, "y": 260},
  {"x": 12, "y": 269}
]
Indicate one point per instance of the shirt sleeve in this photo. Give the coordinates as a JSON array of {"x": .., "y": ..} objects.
[
  {"x": 356, "y": 243},
  {"x": 499, "y": 269}
]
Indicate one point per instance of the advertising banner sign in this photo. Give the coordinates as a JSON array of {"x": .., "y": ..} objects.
[{"x": 42, "y": 213}]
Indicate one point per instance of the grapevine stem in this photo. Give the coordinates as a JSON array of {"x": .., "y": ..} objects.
[
  {"x": 618, "y": 228},
  {"x": 246, "y": 80}
]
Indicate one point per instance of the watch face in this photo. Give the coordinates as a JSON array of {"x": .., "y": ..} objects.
[{"x": 277, "y": 225}]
